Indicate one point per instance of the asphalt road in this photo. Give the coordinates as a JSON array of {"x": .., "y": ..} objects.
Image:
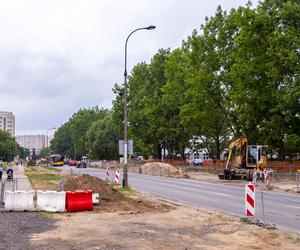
[{"x": 283, "y": 210}]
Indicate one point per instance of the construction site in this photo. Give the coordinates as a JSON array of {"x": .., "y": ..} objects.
[{"x": 127, "y": 218}]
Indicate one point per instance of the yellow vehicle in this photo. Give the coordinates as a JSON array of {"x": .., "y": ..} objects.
[
  {"x": 243, "y": 159},
  {"x": 56, "y": 160}
]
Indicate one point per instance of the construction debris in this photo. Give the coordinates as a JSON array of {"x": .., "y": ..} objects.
[{"x": 259, "y": 223}]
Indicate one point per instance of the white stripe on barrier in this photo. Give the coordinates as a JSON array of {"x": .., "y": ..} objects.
[
  {"x": 266, "y": 173},
  {"x": 95, "y": 197},
  {"x": 117, "y": 177},
  {"x": 51, "y": 201},
  {"x": 19, "y": 201},
  {"x": 107, "y": 174}
]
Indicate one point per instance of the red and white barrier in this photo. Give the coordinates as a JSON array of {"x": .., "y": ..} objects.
[
  {"x": 79, "y": 200},
  {"x": 266, "y": 174},
  {"x": 250, "y": 200},
  {"x": 117, "y": 176},
  {"x": 107, "y": 174}
]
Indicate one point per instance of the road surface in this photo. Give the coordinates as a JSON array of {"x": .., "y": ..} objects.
[{"x": 283, "y": 210}]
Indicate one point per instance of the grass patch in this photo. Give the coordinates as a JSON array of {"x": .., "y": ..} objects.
[
  {"x": 41, "y": 169},
  {"x": 46, "y": 214},
  {"x": 127, "y": 191},
  {"x": 43, "y": 177},
  {"x": 294, "y": 238},
  {"x": 52, "y": 169},
  {"x": 273, "y": 234}
]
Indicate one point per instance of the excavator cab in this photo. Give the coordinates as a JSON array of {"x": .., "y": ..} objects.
[{"x": 255, "y": 156}]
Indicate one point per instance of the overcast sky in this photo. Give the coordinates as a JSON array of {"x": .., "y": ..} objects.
[{"x": 57, "y": 56}]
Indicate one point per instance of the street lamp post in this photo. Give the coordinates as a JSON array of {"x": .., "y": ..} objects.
[
  {"x": 47, "y": 136},
  {"x": 47, "y": 143},
  {"x": 125, "y": 174}
]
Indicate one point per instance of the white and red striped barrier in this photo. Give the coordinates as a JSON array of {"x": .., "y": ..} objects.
[
  {"x": 117, "y": 176},
  {"x": 266, "y": 174},
  {"x": 250, "y": 200},
  {"x": 107, "y": 174}
]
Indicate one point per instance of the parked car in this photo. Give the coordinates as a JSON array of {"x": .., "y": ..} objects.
[
  {"x": 81, "y": 164},
  {"x": 72, "y": 163},
  {"x": 196, "y": 162}
]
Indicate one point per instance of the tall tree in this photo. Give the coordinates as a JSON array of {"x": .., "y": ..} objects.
[
  {"x": 265, "y": 74},
  {"x": 8, "y": 146},
  {"x": 172, "y": 132},
  {"x": 71, "y": 138},
  {"x": 205, "y": 115},
  {"x": 103, "y": 139},
  {"x": 62, "y": 141},
  {"x": 145, "y": 108}
]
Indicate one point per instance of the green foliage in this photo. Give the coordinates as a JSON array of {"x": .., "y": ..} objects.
[
  {"x": 22, "y": 152},
  {"x": 44, "y": 152},
  {"x": 146, "y": 110},
  {"x": 205, "y": 114},
  {"x": 62, "y": 142},
  {"x": 71, "y": 138},
  {"x": 238, "y": 76},
  {"x": 265, "y": 73},
  {"x": 103, "y": 139},
  {"x": 8, "y": 146}
]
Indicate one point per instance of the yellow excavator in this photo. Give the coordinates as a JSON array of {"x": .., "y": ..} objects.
[{"x": 243, "y": 159}]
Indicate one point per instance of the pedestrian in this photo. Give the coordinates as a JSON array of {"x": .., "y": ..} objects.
[
  {"x": 10, "y": 173},
  {"x": 1, "y": 171}
]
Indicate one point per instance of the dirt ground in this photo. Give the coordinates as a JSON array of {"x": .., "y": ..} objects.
[
  {"x": 125, "y": 219},
  {"x": 178, "y": 227},
  {"x": 114, "y": 198}
]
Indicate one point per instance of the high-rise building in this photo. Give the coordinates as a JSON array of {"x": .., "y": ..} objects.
[
  {"x": 36, "y": 142},
  {"x": 7, "y": 122}
]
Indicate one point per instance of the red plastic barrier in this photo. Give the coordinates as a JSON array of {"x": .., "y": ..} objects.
[{"x": 77, "y": 201}]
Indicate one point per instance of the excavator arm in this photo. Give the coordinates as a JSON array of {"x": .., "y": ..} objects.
[{"x": 241, "y": 145}]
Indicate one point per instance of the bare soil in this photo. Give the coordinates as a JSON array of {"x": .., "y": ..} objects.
[
  {"x": 179, "y": 228},
  {"x": 139, "y": 221},
  {"x": 111, "y": 199}
]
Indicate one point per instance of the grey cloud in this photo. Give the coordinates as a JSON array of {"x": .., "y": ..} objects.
[{"x": 59, "y": 56}]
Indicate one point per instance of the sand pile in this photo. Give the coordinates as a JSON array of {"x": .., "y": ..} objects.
[{"x": 159, "y": 168}]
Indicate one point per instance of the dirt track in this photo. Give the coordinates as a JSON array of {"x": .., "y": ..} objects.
[
  {"x": 143, "y": 222},
  {"x": 179, "y": 228}
]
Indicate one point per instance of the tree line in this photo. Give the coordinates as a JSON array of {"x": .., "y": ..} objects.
[
  {"x": 9, "y": 148},
  {"x": 238, "y": 75}
]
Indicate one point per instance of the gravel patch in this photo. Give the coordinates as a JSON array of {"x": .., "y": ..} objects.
[{"x": 16, "y": 228}]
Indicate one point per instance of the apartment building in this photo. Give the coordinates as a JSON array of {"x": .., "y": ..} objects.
[
  {"x": 36, "y": 142},
  {"x": 7, "y": 122}
]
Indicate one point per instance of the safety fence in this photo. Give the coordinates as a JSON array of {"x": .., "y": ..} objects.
[
  {"x": 282, "y": 203},
  {"x": 13, "y": 198}
]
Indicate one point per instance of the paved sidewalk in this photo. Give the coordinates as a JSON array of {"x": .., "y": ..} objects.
[{"x": 21, "y": 180}]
